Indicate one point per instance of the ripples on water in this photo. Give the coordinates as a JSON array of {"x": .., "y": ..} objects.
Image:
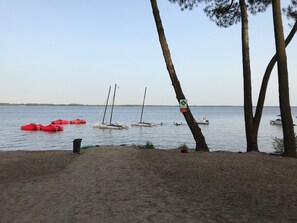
[{"x": 225, "y": 132}]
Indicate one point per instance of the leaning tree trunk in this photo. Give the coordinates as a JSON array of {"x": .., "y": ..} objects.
[
  {"x": 196, "y": 131},
  {"x": 269, "y": 68},
  {"x": 251, "y": 135},
  {"x": 283, "y": 79}
]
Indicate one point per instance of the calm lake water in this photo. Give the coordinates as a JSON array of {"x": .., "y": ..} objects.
[{"x": 226, "y": 130}]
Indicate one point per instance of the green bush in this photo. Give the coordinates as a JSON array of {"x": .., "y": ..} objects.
[
  {"x": 148, "y": 145},
  {"x": 278, "y": 144}
]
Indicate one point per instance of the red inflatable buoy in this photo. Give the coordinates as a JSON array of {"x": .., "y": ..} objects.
[
  {"x": 82, "y": 121},
  {"x": 32, "y": 127},
  {"x": 60, "y": 122},
  {"x": 52, "y": 128},
  {"x": 78, "y": 121}
]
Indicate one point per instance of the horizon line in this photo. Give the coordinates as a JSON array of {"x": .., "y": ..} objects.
[{"x": 78, "y": 104}]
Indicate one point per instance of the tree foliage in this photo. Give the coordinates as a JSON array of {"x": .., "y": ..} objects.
[
  {"x": 225, "y": 13},
  {"x": 187, "y": 4},
  {"x": 291, "y": 10}
]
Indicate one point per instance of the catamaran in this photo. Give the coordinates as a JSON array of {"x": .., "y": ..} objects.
[
  {"x": 142, "y": 123},
  {"x": 103, "y": 125}
]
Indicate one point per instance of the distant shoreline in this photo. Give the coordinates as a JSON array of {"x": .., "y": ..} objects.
[
  {"x": 131, "y": 105},
  {"x": 41, "y": 104}
]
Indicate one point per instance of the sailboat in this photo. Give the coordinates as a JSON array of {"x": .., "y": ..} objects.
[
  {"x": 142, "y": 123},
  {"x": 103, "y": 125}
]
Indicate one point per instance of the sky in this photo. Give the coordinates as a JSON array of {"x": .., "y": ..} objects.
[{"x": 71, "y": 51}]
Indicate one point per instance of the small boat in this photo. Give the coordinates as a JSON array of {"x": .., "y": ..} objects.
[
  {"x": 204, "y": 121},
  {"x": 142, "y": 123},
  {"x": 78, "y": 121},
  {"x": 103, "y": 125},
  {"x": 52, "y": 128},
  {"x": 177, "y": 123},
  {"x": 277, "y": 121},
  {"x": 60, "y": 122},
  {"x": 32, "y": 127}
]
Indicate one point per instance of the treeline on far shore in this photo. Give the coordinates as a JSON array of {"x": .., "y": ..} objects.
[{"x": 37, "y": 104}]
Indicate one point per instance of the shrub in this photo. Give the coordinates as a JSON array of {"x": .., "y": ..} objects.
[
  {"x": 148, "y": 145},
  {"x": 278, "y": 144}
]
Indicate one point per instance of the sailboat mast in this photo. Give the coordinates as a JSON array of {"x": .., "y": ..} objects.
[
  {"x": 143, "y": 105},
  {"x": 114, "y": 92},
  {"x": 106, "y": 105}
]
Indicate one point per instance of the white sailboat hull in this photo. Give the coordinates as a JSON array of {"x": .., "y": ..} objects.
[
  {"x": 143, "y": 124},
  {"x": 112, "y": 126}
]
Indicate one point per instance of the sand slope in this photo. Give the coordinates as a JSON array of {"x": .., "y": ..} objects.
[{"x": 130, "y": 185}]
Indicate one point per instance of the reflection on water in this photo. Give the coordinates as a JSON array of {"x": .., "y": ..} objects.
[{"x": 225, "y": 131}]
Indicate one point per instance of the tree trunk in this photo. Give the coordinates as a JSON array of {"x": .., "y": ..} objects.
[
  {"x": 196, "y": 131},
  {"x": 284, "y": 98},
  {"x": 265, "y": 80},
  {"x": 251, "y": 135}
]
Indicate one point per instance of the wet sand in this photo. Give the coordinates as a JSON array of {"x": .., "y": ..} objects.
[{"x": 124, "y": 184}]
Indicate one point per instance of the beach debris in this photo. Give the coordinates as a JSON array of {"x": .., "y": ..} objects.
[{"x": 76, "y": 145}]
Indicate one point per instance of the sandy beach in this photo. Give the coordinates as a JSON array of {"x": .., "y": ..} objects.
[{"x": 125, "y": 184}]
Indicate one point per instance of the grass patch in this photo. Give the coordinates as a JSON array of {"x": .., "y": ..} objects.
[{"x": 147, "y": 145}]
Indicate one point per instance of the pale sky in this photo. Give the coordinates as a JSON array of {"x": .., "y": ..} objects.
[{"x": 71, "y": 51}]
